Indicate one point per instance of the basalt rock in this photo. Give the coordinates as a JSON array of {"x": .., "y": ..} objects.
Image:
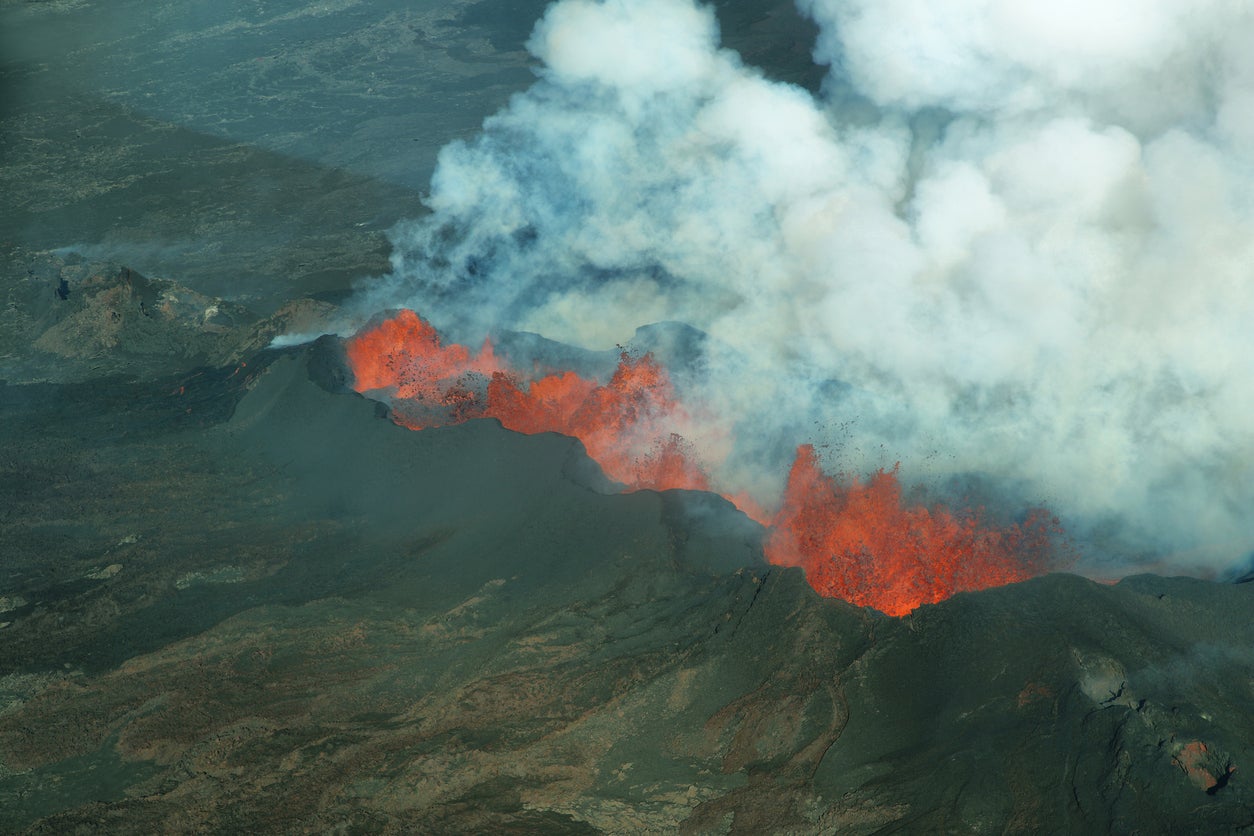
[
  {"x": 467, "y": 630},
  {"x": 72, "y": 319}
]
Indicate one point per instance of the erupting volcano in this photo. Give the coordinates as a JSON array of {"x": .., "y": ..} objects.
[
  {"x": 857, "y": 541},
  {"x": 786, "y": 318}
]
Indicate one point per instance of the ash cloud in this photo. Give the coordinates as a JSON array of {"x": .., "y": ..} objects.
[{"x": 1009, "y": 239}]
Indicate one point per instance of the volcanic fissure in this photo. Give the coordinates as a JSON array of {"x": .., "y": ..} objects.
[{"x": 856, "y": 539}]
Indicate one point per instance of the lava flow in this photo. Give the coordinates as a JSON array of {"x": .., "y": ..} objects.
[
  {"x": 855, "y": 540},
  {"x": 859, "y": 542},
  {"x": 625, "y": 425}
]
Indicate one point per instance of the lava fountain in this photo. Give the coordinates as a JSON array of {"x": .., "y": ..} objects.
[{"x": 856, "y": 540}]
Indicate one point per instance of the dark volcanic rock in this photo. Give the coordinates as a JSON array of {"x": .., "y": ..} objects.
[
  {"x": 460, "y": 630},
  {"x": 235, "y": 598},
  {"x": 73, "y": 320},
  {"x": 111, "y": 313}
]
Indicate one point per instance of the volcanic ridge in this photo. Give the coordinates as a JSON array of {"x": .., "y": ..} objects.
[{"x": 278, "y": 610}]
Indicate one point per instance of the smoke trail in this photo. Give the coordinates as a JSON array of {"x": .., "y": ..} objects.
[{"x": 1011, "y": 239}]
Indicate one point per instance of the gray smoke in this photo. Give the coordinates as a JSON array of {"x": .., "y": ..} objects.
[{"x": 1012, "y": 239}]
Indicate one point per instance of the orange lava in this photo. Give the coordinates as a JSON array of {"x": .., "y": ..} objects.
[
  {"x": 856, "y": 541},
  {"x": 625, "y": 425},
  {"x": 861, "y": 543},
  {"x": 404, "y": 354}
]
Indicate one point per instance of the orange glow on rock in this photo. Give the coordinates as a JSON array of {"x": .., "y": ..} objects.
[{"x": 855, "y": 540}]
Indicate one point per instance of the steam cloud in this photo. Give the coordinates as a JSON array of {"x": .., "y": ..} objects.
[{"x": 1020, "y": 234}]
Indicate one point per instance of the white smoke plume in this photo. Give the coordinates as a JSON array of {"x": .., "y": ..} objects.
[{"x": 1021, "y": 233}]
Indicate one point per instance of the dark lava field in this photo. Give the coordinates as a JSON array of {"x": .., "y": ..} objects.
[{"x": 236, "y": 598}]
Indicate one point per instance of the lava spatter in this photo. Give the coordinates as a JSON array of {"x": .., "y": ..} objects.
[
  {"x": 429, "y": 383},
  {"x": 861, "y": 542}
]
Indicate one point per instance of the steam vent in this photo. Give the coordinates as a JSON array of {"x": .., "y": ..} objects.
[{"x": 626, "y": 416}]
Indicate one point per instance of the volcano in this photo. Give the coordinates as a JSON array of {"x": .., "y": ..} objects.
[
  {"x": 470, "y": 628},
  {"x": 479, "y": 418},
  {"x": 858, "y": 542}
]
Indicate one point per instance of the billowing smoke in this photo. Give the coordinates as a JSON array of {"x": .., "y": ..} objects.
[{"x": 1010, "y": 239}]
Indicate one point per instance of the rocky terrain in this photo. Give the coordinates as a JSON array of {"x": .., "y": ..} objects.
[
  {"x": 240, "y": 598},
  {"x": 235, "y": 597}
]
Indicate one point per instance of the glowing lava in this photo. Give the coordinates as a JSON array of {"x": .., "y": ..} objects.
[
  {"x": 856, "y": 541},
  {"x": 860, "y": 543},
  {"x": 626, "y": 425},
  {"x": 430, "y": 384}
]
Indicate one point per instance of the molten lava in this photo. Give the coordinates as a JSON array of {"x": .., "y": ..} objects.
[
  {"x": 626, "y": 425},
  {"x": 430, "y": 384},
  {"x": 856, "y": 541},
  {"x": 861, "y": 543}
]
